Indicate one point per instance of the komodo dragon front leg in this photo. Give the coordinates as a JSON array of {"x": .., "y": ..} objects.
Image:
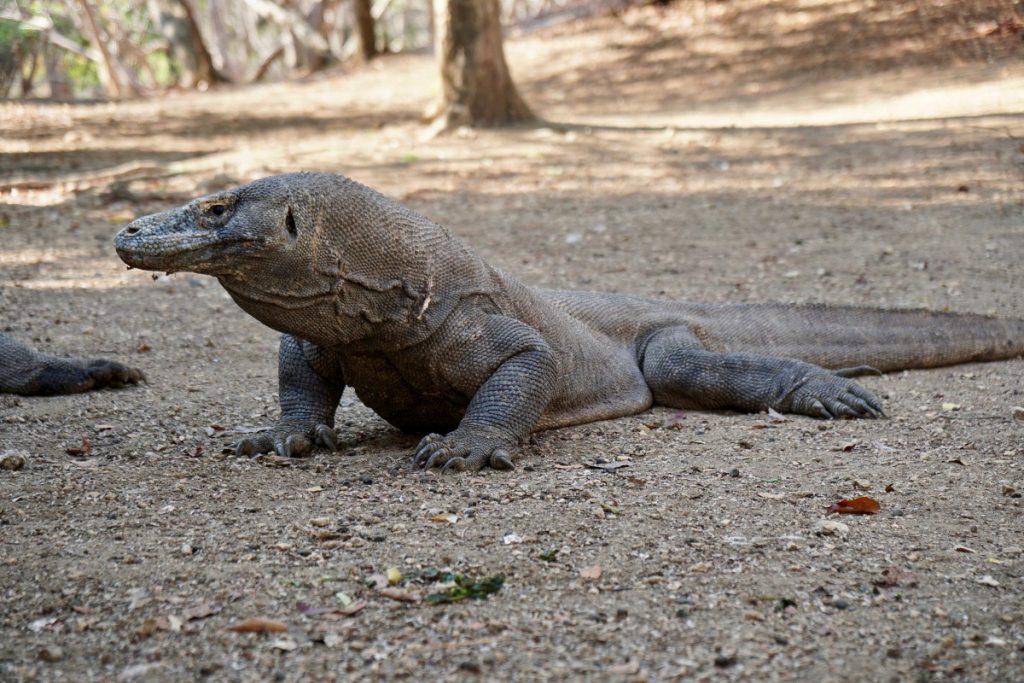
[
  {"x": 682, "y": 374},
  {"x": 513, "y": 372},
  {"x": 23, "y": 370},
  {"x": 310, "y": 384}
]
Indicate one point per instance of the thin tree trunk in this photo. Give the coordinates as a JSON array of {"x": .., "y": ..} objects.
[
  {"x": 29, "y": 51},
  {"x": 476, "y": 88},
  {"x": 205, "y": 71},
  {"x": 60, "y": 88},
  {"x": 365, "y": 29},
  {"x": 109, "y": 74}
]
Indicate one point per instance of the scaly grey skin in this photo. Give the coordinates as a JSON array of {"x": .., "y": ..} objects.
[
  {"x": 371, "y": 295},
  {"x": 28, "y": 372}
]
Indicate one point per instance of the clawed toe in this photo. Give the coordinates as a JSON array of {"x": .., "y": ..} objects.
[{"x": 460, "y": 453}]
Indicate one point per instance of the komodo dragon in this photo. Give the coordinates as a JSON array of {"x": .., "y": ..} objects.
[
  {"x": 372, "y": 295},
  {"x": 28, "y": 372}
]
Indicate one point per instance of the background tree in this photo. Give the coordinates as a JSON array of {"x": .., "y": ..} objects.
[
  {"x": 362, "y": 12},
  {"x": 476, "y": 88}
]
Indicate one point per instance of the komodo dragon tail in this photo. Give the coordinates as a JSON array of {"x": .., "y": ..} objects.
[{"x": 848, "y": 336}]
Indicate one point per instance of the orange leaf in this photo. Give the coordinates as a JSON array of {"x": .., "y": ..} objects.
[
  {"x": 864, "y": 505},
  {"x": 259, "y": 625}
]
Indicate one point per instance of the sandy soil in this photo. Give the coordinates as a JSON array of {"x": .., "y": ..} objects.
[{"x": 844, "y": 152}]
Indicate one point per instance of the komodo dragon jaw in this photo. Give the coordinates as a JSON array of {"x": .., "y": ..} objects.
[{"x": 216, "y": 235}]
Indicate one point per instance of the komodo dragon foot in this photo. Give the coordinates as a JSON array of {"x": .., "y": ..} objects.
[
  {"x": 288, "y": 439},
  {"x": 466, "y": 448},
  {"x": 831, "y": 395}
]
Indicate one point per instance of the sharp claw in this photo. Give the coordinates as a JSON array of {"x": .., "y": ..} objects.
[
  {"x": 327, "y": 437},
  {"x": 436, "y": 458},
  {"x": 455, "y": 465},
  {"x": 501, "y": 460},
  {"x": 424, "y": 449},
  {"x": 817, "y": 408},
  {"x": 297, "y": 445}
]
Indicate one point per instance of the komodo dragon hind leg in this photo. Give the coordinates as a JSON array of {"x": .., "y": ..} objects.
[
  {"x": 310, "y": 384},
  {"x": 682, "y": 374}
]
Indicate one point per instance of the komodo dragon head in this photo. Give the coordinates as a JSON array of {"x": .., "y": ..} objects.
[{"x": 222, "y": 234}]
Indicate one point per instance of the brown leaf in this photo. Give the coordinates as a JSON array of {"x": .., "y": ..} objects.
[
  {"x": 400, "y": 594},
  {"x": 84, "y": 449},
  {"x": 889, "y": 488},
  {"x": 864, "y": 505},
  {"x": 258, "y": 625},
  {"x": 143, "y": 348}
]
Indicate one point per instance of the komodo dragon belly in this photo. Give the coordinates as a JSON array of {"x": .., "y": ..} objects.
[{"x": 409, "y": 396}]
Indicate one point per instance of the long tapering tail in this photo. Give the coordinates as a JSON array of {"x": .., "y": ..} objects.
[{"x": 846, "y": 336}]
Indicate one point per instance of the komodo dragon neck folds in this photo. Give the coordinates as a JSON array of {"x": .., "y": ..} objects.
[{"x": 370, "y": 294}]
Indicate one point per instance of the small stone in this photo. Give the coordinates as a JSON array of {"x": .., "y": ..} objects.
[
  {"x": 725, "y": 659},
  {"x": 320, "y": 522},
  {"x": 829, "y": 527},
  {"x": 987, "y": 580},
  {"x": 1018, "y": 413},
  {"x": 187, "y": 550},
  {"x": 839, "y": 603},
  {"x": 51, "y": 653},
  {"x": 12, "y": 461}
]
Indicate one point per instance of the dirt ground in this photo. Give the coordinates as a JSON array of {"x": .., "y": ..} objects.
[{"x": 843, "y": 152}]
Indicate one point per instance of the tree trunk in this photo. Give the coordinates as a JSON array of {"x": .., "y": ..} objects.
[
  {"x": 204, "y": 70},
  {"x": 110, "y": 73},
  {"x": 365, "y": 29},
  {"x": 476, "y": 88},
  {"x": 60, "y": 86}
]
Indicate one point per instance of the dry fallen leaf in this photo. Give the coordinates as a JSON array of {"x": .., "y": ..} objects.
[
  {"x": 258, "y": 625},
  {"x": 84, "y": 449},
  {"x": 446, "y": 518},
  {"x": 864, "y": 505}
]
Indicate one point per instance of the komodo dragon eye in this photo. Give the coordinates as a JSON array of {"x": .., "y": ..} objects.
[{"x": 217, "y": 209}]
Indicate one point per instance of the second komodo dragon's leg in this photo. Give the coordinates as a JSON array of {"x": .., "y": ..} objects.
[
  {"x": 310, "y": 383},
  {"x": 682, "y": 374},
  {"x": 25, "y": 371},
  {"x": 517, "y": 372}
]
